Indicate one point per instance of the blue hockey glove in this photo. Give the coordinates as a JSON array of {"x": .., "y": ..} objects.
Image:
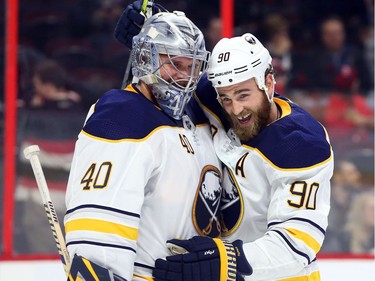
[
  {"x": 203, "y": 259},
  {"x": 131, "y": 22}
]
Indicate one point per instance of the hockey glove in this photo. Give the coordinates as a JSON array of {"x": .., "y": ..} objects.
[
  {"x": 203, "y": 259},
  {"x": 83, "y": 269},
  {"x": 131, "y": 22}
]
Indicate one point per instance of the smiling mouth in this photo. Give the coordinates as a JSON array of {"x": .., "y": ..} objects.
[{"x": 244, "y": 119}]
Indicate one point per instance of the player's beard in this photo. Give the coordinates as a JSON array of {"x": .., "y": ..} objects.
[{"x": 258, "y": 122}]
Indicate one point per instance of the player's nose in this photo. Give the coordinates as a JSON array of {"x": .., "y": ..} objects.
[{"x": 237, "y": 107}]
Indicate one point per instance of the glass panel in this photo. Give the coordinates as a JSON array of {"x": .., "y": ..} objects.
[
  {"x": 68, "y": 57},
  {"x": 87, "y": 61}
]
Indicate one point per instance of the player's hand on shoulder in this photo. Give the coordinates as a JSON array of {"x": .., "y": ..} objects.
[
  {"x": 132, "y": 20},
  {"x": 203, "y": 259}
]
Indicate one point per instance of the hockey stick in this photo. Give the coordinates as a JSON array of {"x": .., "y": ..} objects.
[
  {"x": 31, "y": 152},
  {"x": 147, "y": 11}
]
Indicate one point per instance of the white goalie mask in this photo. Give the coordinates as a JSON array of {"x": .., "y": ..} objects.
[
  {"x": 173, "y": 37},
  {"x": 238, "y": 59}
]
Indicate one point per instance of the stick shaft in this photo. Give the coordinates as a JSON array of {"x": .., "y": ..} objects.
[
  {"x": 50, "y": 211},
  {"x": 147, "y": 11},
  {"x": 144, "y": 6}
]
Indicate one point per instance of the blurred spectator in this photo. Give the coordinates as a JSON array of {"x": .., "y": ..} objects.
[
  {"x": 77, "y": 35},
  {"x": 367, "y": 40},
  {"x": 111, "y": 56},
  {"x": 54, "y": 87},
  {"x": 51, "y": 119},
  {"x": 350, "y": 121},
  {"x": 259, "y": 9},
  {"x": 50, "y": 84},
  {"x": 358, "y": 237},
  {"x": 104, "y": 20},
  {"x": 279, "y": 44},
  {"x": 346, "y": 183},
  {"x": 28, "y": 57},
  {"x": 340, "y": 71},
  {"x": 355, "y": 13},
  {"x": 336, "y": 65},
  {"x": 213, "y": 32}
]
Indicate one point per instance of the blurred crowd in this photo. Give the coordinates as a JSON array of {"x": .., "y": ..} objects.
[{"x": 323, "y": 54}]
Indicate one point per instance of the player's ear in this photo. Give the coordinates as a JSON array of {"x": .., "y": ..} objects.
[{"x": 270, "y": 81}]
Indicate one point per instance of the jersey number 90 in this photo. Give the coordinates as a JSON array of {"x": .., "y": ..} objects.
[{"x": 305, "y": 195}]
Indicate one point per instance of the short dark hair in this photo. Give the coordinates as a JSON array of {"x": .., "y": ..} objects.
[{"x": 52, "y": 72}]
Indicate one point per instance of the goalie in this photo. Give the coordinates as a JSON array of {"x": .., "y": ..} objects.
[{"x": 144, "y": 167}]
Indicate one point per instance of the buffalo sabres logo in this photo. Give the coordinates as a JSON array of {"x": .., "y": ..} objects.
[
  {"x": 231, "y": 204},
  {"x": 206, "y": 208}
]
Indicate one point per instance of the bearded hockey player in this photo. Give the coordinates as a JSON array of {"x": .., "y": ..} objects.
[{"x": 280, "y": 162}]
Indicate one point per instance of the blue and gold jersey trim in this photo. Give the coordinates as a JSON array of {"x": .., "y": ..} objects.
[
  {"x": 101, "y": 226},
  {"x": 310, "y": 222},
  {"x": 128, "y": 114},
  {"x": 296, "y": 141},
  {"x": 290, "y": 245}
]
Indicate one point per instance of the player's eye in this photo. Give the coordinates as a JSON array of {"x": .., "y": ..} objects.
[
  {"x": 243, "y": 96},
  {"x": 225, "y": 99}
]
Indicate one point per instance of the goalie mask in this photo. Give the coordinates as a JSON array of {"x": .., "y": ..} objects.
[
  {"x": 170, "y": 39},
  {"x": 238, "y": 59}
]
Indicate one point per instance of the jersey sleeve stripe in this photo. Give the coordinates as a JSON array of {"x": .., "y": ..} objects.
[
  {"x": 306, "y": 238},
  {"x": 102, "y": 226},
  {"x": 103, "y": 208},
  {"x": 292, "y": 247},
  {"x": 300, "y": 219},
  {"x": 143, "y": 265},
  {"x": 143, "y": 277},
  {"x": 100, "y": 245}
]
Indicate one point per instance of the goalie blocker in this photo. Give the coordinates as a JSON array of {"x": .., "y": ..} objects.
[
  {"x": 83, "y": 269},
  {"x": 203, "y": 259}
]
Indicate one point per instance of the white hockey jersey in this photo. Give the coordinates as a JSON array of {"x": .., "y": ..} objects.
[
  {"x": 139, "y": 178},
  {"x": 279, "y": 197}
]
